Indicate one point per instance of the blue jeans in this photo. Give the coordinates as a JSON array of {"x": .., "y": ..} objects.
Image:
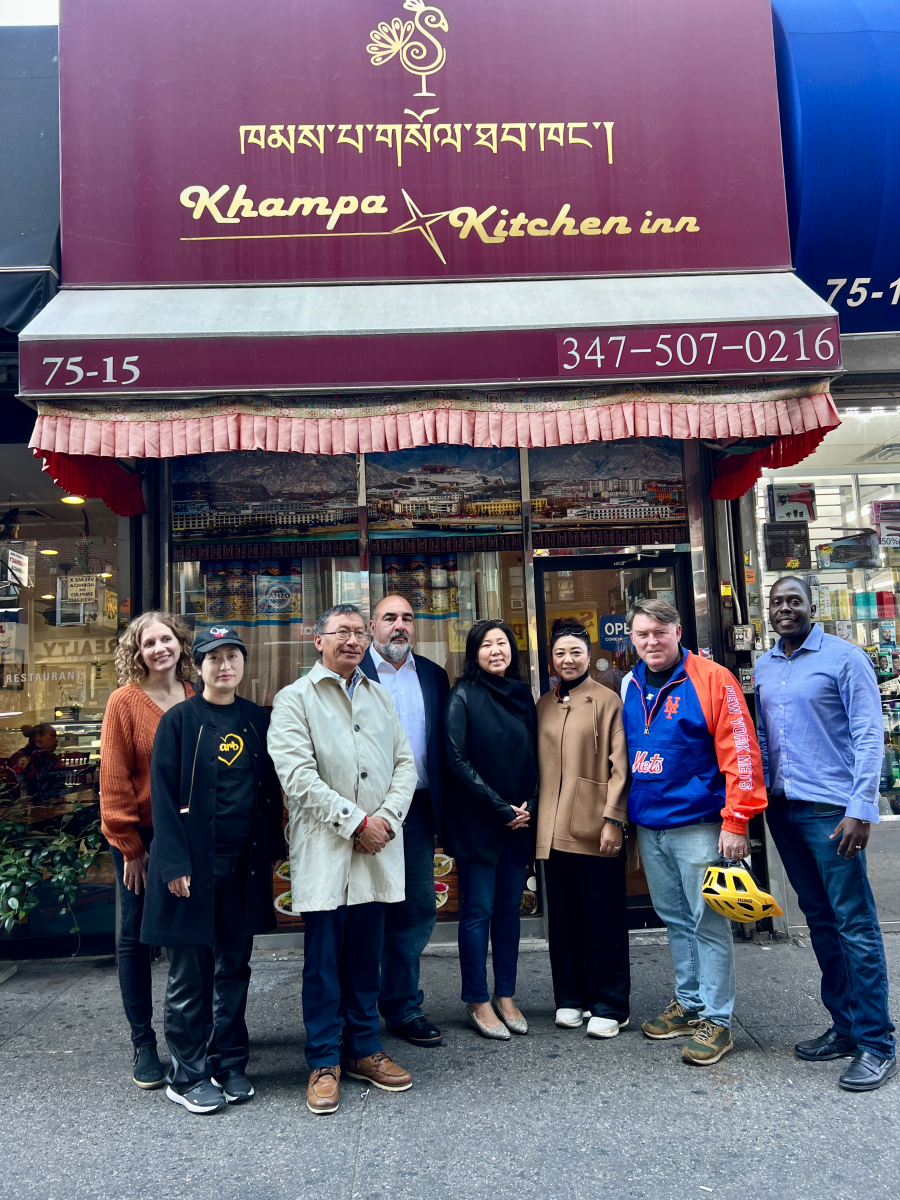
[
  {"x": 700, "y": 940},
  {"x": 135, "y": 981},
  {"x": 408, "y": 925},
  {"x": 341, "y": 982},
  {"x": 491, "y": 897},
  {"x": 837, "y": 902}
]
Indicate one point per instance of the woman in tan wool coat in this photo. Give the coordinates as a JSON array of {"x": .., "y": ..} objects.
[{"x": 582, "y": 817}]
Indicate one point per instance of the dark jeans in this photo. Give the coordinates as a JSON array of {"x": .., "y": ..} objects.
[
  {"x": 490, "y": 902},
  {"x": 587, "y": 915},
  {"x": 210, "y": 983},
  {"x": 409, "y": 924},
  {"x": 341, "y": 982},
  {"x": 134, "y": 957},
  {"x": 837, "y": 901}
]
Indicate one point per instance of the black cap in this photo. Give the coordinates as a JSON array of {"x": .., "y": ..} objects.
[{"x": 216, "y": 635}]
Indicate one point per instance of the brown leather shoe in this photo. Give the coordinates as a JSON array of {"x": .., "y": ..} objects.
[
  {"x": 379, "y": 1070},
  {"x": 323, "y": 1093}
]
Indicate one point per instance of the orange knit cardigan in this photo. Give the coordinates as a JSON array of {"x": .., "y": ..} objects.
[{"x": 126, "y": 744}]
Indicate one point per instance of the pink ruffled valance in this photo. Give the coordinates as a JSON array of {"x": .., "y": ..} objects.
[{"x": 354, "y": 425}]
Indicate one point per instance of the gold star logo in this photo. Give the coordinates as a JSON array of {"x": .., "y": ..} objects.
[{"x": 423, "y": 223}]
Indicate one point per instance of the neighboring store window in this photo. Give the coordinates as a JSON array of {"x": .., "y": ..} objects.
[
  {"x": 842, "y": 534},
  {"x": 58, "y": 621}
]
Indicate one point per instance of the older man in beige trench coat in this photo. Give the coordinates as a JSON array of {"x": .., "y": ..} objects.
[{"x": 349, "y": 775}]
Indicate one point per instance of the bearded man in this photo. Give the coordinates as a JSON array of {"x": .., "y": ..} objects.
[{"x": 419, "y": 689}]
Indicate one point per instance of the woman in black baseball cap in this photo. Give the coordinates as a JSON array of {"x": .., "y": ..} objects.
[{"x": 217, "y": 820}]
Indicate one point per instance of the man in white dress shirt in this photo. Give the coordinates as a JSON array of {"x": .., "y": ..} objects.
[{"x": 419, "y": 689}]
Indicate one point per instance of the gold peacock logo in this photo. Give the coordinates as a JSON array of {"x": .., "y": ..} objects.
[{"x": 399, "y": 37}]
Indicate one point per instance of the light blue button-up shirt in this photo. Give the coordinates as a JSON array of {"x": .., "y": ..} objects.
[{"x": 821, "y": 729}]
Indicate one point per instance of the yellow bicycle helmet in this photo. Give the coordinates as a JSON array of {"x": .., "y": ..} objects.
[{"x": 730, "y": 889}]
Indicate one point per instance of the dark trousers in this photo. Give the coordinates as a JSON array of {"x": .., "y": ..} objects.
[
  {"x": 837, "y": 902},
  {"x": 587, "y": 914},
  {"x": 208, "y": 987},
  {"x": 490, "y": 902},
  {"x": 408, "y": 925},
  {"x": 134, "y": 957},
  {"x": 341, "y": 982}
]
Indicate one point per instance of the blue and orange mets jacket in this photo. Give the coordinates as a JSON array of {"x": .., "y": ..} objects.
[{"x": 693, "y": 750}]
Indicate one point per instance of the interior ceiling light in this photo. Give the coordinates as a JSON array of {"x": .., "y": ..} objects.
[
  {"x": 48, "y": 597},
  {"x": 49, "y": 552},
  {"x": 73, "y": 499}
]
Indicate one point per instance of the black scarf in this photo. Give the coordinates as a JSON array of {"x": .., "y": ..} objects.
[
  {"x": 502, "y": 735},
  {"x": 566, "y": 685}
]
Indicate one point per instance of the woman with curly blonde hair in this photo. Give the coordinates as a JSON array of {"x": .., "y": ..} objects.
[{"x": 153, "y": 664}]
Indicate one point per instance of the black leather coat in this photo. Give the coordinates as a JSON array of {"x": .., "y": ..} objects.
[
  {"x": 476, "y": 817},
  {"x": 183, "y": 778}
]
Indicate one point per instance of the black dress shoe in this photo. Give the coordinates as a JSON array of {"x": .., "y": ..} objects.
[
  {"x": 867, "y": 1072},
  {"x": 830, "y": 1045},
  {"x": 418, "y": 1032}
]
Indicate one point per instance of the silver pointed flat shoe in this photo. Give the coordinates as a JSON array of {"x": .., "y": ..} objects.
[
  {"x": 518, "y": 1025},
  {"x": 498, "y": 1033}
]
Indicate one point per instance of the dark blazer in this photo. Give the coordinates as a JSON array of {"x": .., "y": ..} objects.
[
  {"x": 435, "y": 690},
  {"x": 476, "y": 818},
  {"x": 183, "y": 778}
]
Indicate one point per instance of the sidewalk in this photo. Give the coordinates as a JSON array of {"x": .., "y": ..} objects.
[{"x": 551, "y": 1116}]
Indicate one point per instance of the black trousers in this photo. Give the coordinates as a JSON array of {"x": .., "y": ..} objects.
[
  {"x": 588, "y": 929},
  {"x": 207, "y": 989},
  {"x": 134, "y": 957}
]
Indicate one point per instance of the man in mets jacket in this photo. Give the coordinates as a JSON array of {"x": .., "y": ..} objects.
[{"x": 697, "y": 780}]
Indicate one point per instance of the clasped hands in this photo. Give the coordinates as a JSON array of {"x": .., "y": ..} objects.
[
  {"x": 522, "y": 817},
  {"x": 372, "y": 836}
]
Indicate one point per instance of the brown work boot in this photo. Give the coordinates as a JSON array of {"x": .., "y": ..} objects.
[
  {"x": 323, "y": 1093},
  {"x": 379, "y": 1070}
]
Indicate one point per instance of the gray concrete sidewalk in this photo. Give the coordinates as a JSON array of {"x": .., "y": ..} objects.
[{"x": 552, "y": 1115}]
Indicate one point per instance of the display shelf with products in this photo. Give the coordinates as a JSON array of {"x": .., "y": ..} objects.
[{"x": 854, "y": 578}]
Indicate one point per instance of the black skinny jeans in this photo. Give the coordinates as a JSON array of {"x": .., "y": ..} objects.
[{"x": 134, "y": 957}]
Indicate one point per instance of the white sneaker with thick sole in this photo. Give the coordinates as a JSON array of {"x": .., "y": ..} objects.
[
  {"x": 604, "y": 1027},
  {"x": 570, "y": 1018},
  {"x": 202, "y": 1099}
]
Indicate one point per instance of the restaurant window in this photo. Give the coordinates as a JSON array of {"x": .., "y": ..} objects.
[{"x": 59, "y": 615}]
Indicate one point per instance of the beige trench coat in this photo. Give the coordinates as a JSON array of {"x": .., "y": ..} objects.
[{"x": 340, "y": 760}]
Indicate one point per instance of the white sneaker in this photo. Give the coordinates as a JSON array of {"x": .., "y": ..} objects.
[
  {"x": 604, "y": 1027},
  {"x": 570, "y": 1018}
]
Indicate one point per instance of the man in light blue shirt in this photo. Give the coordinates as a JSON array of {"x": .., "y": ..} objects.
[{"x": 822, "y": 743}]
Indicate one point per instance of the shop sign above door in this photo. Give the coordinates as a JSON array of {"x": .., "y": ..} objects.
[{"x": 307, "y": 141}]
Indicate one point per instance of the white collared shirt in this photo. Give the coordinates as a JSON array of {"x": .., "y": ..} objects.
[{"x": 406, "y": 692}]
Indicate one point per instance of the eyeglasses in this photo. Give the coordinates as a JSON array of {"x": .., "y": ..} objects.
[
  {"x": 344, "y": 635},
  {"x": 562, "y": 631}
]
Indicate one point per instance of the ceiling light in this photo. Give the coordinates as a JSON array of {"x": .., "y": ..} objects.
[
  {"x": 48, "y": 597},
  {"x": 73, "y": 499},
  {"x": 49, "y": 552},
  {"x": 106, "y": 575}
]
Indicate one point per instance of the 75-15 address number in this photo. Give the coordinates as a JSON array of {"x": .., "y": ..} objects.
[{"x": 76, "y": 371}]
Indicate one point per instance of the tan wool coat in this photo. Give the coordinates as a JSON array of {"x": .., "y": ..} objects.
[{"x": 583, "y": 761}]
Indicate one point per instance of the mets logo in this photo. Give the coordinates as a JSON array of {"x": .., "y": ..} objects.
[
  {"x": 643, "y": 765},
  {"x": 670, "y": 708}
]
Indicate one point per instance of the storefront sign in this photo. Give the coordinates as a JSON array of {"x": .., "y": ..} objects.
[
  {"x": 699, "y": 349},
  {"x": 82, "y": 589},
  {"x": 613, "y": 634},
  {"x": 236, "y": 363},
  {"x": 295, "y": 140},
  {"x": 18, "y": 567}
]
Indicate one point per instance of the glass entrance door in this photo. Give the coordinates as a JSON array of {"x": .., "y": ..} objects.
[{"x": 598, "y": 592}]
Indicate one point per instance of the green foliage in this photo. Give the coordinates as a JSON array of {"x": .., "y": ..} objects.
[{"x": 59, "y": 851}]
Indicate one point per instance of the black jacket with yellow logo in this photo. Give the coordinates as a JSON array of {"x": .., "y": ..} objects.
[{"x": 183, "y": 785}]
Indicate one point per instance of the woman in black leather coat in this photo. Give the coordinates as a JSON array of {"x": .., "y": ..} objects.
[{"x": 490, "y": 730}]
